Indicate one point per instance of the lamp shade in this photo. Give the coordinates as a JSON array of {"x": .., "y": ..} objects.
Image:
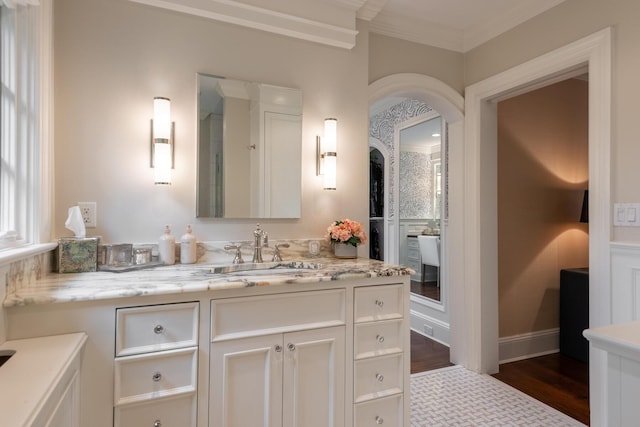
[
  {"x": 329, "y": 143},
  {"x": 161, "y": 118},
  {"x": 584, "y": 214}
]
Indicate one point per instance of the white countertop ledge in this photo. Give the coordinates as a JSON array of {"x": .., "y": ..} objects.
[
  {"x": 622, "y": 339},
  {"x": 31, "y": 379}
]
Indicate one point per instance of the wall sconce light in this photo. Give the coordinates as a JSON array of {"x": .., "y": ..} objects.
[
  {"x": 326, "y": 154},
  {"x": 162, "y": 148}
]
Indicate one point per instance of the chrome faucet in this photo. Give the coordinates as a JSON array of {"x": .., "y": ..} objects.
[
  {"x": 277, "y": 257},
  {"x": 260, "y": 240}
]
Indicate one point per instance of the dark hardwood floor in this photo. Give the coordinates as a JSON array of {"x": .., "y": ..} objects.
[
  {"x": 427, "y": 354},
  {"x": 559, "y": 381}
]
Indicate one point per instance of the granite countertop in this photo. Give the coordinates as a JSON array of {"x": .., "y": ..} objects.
[{"x": 175, "y": 279}]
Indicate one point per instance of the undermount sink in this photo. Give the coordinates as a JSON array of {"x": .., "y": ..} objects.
[
  {"x": 266, "y": 268},
  {"x": 6, "y": 355}
]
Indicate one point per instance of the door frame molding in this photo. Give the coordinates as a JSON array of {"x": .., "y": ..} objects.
[{"x": 480, "y": 196}]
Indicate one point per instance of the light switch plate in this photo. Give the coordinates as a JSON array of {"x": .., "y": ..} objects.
[{"x": 626, "y": 214}]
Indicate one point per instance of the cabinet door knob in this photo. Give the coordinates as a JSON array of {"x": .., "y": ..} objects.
[
  {"x": 156, "y": 376},
  {"x": 380, "y": 377},
  {"x": 379, "y": 420},
  {"x": 291, "y": 346},
  {"x": 380, "y": 338},
  {"x": 158, "y": 329},
  {"x": 379, "y": 303},
  {"x": 277, "y": 348},
  {"x": 157, "y": 423}
]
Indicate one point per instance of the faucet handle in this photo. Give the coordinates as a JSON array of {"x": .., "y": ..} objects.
[
  {"x": 237, "y": 259},
  {"x": 276, "y": 253},
  {"x": 265, "y": 239}
]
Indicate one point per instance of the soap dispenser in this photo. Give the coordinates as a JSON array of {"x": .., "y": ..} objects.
[
  {"x": 188, "y": 247},
  {"x": 167, "y": 247}
]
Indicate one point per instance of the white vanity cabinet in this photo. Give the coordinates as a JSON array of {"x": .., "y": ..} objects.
[
  {"x": 156, "y": 365},
  {"x": 280, "y": 361},
  {"x": 379, "y": 356}
]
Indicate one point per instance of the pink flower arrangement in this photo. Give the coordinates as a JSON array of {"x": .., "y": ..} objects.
[{"x": 346, "y": 231}]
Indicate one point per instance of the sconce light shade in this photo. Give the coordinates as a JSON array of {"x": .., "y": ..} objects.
[
  {"x": 584, "y": 214},
  {"x": 329, "y": 153},
  {"x": 162, "y": 148}
]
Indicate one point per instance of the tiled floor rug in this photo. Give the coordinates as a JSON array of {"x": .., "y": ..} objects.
[{"x": 455, "y": 396}]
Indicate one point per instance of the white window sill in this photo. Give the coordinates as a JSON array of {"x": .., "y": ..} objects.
[{"x": 10, "y": 255}]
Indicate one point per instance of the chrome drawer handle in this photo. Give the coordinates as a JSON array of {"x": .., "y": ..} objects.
[
  {"x": 291, "y": 346},
  {"x": 380, "y": 338},
  {"x": 157, "y": 423},
  {"x": 380, "y": 377},
  {"x": 158, "y": 329},
  {"x": 379, "y": 303},
  {"x": 277, "y": 348},
  {"x": 379, "y": 420},
  {"x": 157, "y": 376}
]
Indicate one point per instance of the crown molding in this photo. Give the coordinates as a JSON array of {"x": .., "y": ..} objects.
[{"x": 235, "y": 12}]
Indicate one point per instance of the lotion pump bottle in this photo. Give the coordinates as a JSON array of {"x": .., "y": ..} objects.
[
  {"x": 167, "y": 247},
  {"x": 188, "y": 247}
]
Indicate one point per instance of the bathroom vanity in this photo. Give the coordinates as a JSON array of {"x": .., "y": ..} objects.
[{"x": 179, "y": 345}]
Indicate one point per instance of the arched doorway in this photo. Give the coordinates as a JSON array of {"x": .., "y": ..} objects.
[{"x": 449, "y": 104}]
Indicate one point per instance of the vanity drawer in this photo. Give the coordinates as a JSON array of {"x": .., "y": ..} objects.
[
  {"x": 250, "y": 316},
  {"x": 172, "y": 412},
  {"x": 412, "y": 243},
  {"x": 378, "y": 338},
  {"x": 386, "y": 411},
  {"x": 156, "y": 327},
  {"x": 378, "y": 303},
  {"x": 378, "y": 376},
  {"x": 149, "y": 376}
]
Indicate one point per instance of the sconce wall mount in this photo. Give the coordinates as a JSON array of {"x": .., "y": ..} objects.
[
  {"x": 326, "y": 154},
  {"x": 162, "y": 141}
]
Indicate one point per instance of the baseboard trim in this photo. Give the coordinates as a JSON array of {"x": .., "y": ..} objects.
[
  {"x": 434, "y": 329},
  {"x": 532, "y": 344}
]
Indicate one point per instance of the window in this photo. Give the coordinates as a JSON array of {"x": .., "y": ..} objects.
[{"x": 25, "y": 50}]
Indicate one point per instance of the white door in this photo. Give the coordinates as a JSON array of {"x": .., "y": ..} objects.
[
  {"x": 246, "y": 382},
  {"x": 314, "y": 378}
]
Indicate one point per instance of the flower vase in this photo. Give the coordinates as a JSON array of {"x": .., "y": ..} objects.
[{"x": 345, "y": 251}]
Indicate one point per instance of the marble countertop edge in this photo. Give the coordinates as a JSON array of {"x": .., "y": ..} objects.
[{"x": 179, "y": 279}]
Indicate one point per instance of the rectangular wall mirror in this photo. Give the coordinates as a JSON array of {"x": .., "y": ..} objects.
[{"x": 249, "y": 149}]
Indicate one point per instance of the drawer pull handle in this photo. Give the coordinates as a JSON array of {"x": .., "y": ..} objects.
[
  {"x": 277, "y": 348},
  {"x": 157, "y": 376},
  {"x": 380, "y": 377},
  {"x": 157, "y": 423},
  {"x": 379, "y": 419},
  {"x": 379, "y": 303},
  {"x": 158, "y": 329},
  {"x": 380, "y": 338},
  {"x": 291, "y": 346}
]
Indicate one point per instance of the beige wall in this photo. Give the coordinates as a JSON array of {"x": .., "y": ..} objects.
[
  {"x": 567, "y": 22},
  {"x": 388, "y": 55},
  {"x": 542, "y": 172},
  {"x": 113, "y": 56}
]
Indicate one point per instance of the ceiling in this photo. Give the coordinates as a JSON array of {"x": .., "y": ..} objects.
[{"x": 458, "y": 25}]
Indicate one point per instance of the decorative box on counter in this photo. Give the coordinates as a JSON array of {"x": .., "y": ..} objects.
[{"x": 77, "y": 255}]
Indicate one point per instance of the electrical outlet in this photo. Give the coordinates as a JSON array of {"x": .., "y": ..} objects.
[{"x": 88, "y": 212}]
